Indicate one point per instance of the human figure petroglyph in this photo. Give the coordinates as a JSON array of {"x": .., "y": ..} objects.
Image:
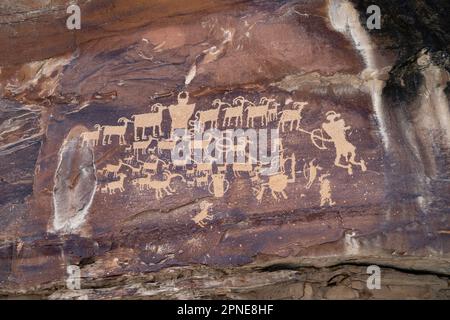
[
  {"x": 291, "y": 116},
  {"x": 111, "y": 168},
  {"x": 277, "y": 183},
  {"x": 113, "y": 186},
  {"x": 336, "y": 130},
  {"x": 310, "y": 171},
  {"x": 152, "y": 120},
  {"x": 161, "y": 186},
  {"x": 201, "y": 217},
  {"x": 325, "y": 191},
  {"x": 181, "y": 112},
  {"x": 91, "y": 137},
  {"x": 119, "y": 131}
]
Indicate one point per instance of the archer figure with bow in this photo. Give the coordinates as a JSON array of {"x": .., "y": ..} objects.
[{"x": 336, "y": 129}]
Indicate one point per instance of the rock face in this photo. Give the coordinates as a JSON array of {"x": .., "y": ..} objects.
[{"x": 356, "y": 170}]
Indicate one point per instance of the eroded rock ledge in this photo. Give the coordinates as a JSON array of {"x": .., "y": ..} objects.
[{"x": 83, "y": 180}]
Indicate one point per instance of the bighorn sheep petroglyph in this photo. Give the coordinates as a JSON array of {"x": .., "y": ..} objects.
[
  {"x": 255, "y": 112},
  {"x": 233, "y": 113},
  {"x": 110, "y": 131},
  {"x": 291, "y": 116},
  {"x": 91, "y": 137},
  {"x": 151, "y": 121},
  {"x": 211, "y": 115}
]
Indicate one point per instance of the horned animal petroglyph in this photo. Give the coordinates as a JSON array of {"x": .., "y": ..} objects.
[
  {"x": 291, "y": 116},
  {"x": 161, "y": 186},
  {"x": 151, "y": 121},
  {"x": 91, "y": 137},
  {"x": 119, "y": 131},
  {"x": 211, "y": 116},
  {"x": 203, "y": 215},
  {"x": 111, "y": 168},
  {"x": 113, "y": 186}
]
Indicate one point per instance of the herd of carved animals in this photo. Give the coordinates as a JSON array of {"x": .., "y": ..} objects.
[{"x": 156, "y": 174}]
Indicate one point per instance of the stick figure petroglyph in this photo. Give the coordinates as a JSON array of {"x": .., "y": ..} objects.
[{"x": 310, "y": 172}]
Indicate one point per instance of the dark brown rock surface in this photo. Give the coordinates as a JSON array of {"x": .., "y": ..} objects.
[{"x": 77, "y": 194}]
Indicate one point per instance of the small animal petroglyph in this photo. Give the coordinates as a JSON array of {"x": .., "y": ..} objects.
[
  {"x": 161, "y": 186},
  {"x": 165, "y": 145},
  {"x": 202, "y": 180},
  {"x": 152, "y": 166},
  {"x": 201, "y": 217},
  {"x": 141, "y": 146},
  {"x": 142, "y": 183},
  {"x": 204, "y": 168},
  {"x": 113, "y": 186},
  {"x": 111, "y": 168},
  {"x": 135, "y": 171}
]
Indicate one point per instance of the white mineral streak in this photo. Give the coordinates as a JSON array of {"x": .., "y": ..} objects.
[
  {"x": 71, "y": 204},
  {"x": 345, "y": 19},
  {"x": 46, "y": 73}
]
